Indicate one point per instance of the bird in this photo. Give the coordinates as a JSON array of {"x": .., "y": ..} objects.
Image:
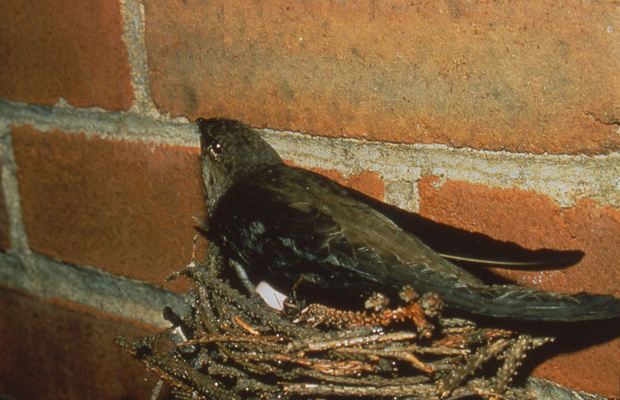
[{"x": 294, "y": 228}]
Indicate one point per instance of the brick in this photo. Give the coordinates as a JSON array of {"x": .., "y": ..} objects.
[
  {"x": 53, "y": 350},
  {"x": 72, "y": 49},
  {"x": 369, "y": 183},
  {"x": 535, "y": 221},
  {"x": 5, "y": 236},
  {"x": 125, "y": 207},
  {"x": 532, "y": 76}
]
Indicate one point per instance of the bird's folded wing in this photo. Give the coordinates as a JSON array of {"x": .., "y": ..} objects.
[{"x": 305, "y": 218}]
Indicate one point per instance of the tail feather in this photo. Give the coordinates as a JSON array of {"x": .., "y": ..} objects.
[{"x": 522, "y": 303}]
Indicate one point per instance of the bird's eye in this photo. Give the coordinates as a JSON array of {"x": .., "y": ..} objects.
[{"x": 216, "y": 151}]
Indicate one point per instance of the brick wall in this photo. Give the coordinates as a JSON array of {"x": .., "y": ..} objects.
[{"x": 501, "y": 118}]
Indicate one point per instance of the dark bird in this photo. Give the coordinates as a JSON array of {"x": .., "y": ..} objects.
[{"x": 294, "y": 228}]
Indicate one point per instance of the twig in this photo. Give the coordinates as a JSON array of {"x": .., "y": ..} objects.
[{"x": 233, "y": 346}]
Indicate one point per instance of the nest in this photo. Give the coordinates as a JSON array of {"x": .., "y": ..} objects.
[{"x": 233, "y": 346}]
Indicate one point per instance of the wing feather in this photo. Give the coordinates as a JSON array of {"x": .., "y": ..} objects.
[{"x": 310, "y": 221}]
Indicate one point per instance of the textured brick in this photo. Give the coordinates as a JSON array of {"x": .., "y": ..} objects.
[
  {"x": 5, "y": 238},
  {"x": 54, "y": 350},
  {"x": 121, "y": 206},
  {"x": 535, "y": 221},
  {"x": 531, "y": 76},
  {"x": 369, "y": 183},
  {"x": 71, "y": 49}
]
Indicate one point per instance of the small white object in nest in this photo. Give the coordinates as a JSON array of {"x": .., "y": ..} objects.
[{"x": 272, "y": 297}]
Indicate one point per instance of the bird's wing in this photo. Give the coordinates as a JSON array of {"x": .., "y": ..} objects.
[
  {"x": 471, "y": 248},
  {"x": 268, "y": 229},
  {"x": 296, "y": 217},
  {"x": 403, "y": 253}
]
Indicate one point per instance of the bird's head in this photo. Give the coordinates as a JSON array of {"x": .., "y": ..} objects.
[{"x": 230, "y": 149}]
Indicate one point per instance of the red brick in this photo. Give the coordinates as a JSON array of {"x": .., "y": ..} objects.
[
  {"x": 72, "y": 49},
  {"x": 51, "y": 350},
  {"x": 531, "y": 76},
  {"x": 5, "y": 237},
  {"x": 535, "y": 221},
  {"x": 125, "y": 207},
  {"x": 369, "y": 183}
]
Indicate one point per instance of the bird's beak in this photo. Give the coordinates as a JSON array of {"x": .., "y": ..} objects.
[{"x": 202, "y": 124}]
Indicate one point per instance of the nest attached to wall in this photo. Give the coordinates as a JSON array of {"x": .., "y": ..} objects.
[{"x": 233, "y": 346}]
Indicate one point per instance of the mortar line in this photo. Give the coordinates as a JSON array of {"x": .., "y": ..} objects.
[
  {"x": 126, "y": 297},
  {"x": 564, "y": 178},
  {"x": 10, "y": 188},
  {"x": 132, "y": 13}
]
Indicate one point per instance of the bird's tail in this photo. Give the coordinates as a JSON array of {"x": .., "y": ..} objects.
[{"x": 522, "y": 303}]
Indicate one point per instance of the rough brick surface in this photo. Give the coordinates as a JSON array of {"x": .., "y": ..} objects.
[
  {"x": 53, "y": 350},
  {"x": 532, "y": 76},
  {"x": 535, "y": 221},
  {"x": 71, "y": 49},
  {"x": 121, "y": 206},
  {"x": 369, "y": 183},
  {"x": 5, "y": 238}
]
